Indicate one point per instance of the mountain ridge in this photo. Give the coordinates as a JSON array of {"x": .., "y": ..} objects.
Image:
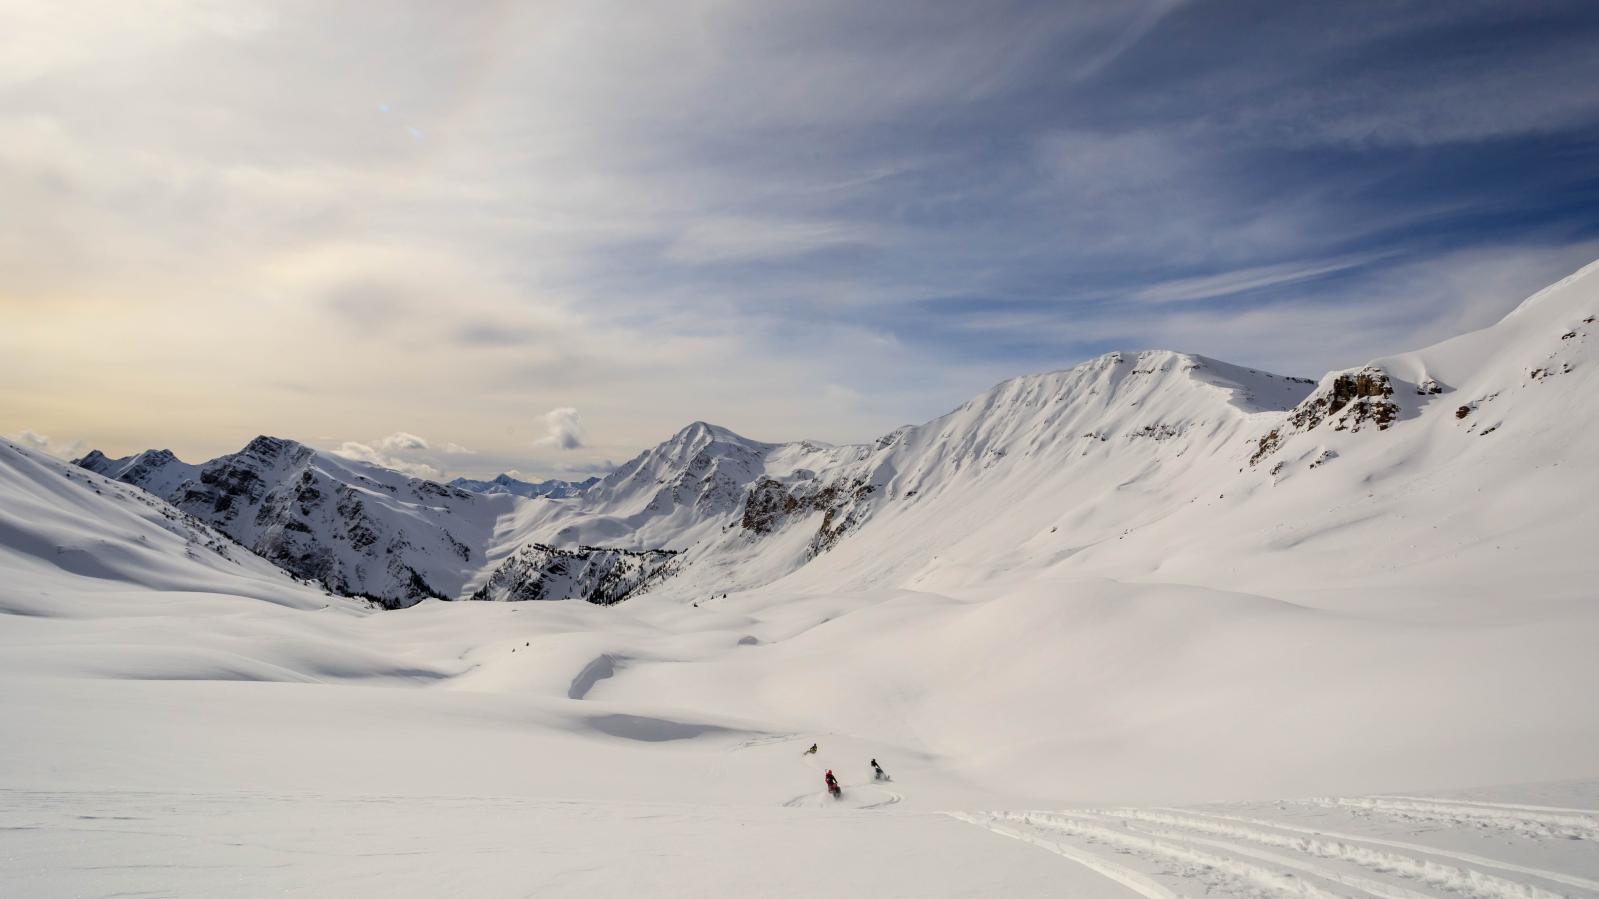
[
  {"x": 553, "y": 488},
  {"x": 1122, "y": 441}
]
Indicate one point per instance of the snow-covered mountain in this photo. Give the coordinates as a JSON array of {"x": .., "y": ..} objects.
[
  {"x": 1170, "y": 455},
  {"x": 65, "y": 530},
  {"x": 741, "y": 513},
  {"x": 1063, "y": 612},
  {"x": 356, "y": 528},
  {"x": 553, "y": 488}
]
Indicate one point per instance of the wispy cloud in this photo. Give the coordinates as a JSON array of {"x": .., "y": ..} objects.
[
  {"x": 1247, "y": 279},
  {"x": 749, "y": 239},
  {"x": 655, "y": 216}
]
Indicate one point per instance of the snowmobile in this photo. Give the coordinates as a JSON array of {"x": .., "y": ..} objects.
[
  {"x": 878, "y": 773},
  {"x": 833, "y": 787}
]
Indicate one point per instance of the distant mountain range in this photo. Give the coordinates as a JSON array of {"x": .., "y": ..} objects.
[
  {"x": 553, "y": 488},
  {"x": 1157, "y": 462}
]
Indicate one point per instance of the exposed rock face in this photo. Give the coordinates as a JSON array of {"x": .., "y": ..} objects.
[
  {"x": 1349, "y": 401},
  {"x": 604, "y": 576},
  {"x": 771, "y": 504},
  {"x": 767, "y": 505},
  {"x": 355, "y": 530},
  {"x": 1352, "y": 401}
]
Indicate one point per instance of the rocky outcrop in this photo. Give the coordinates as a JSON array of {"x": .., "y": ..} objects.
[
  {"x": 771, "y": 505},
  {"x": 1352, "y": 401},
  {"x": 1348, "y": 401},
  {"x": 595, "y": 574}
]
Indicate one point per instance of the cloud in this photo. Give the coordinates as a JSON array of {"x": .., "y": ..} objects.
[
  {"x": 492, "y": 334},
  {"x": 400, "y": 441},
  {"x": 1244, "y": 280},
  {"x": 713, "y": 216},
  {"x": 362, "y": 452},
  {"x": 1313, "y": 327},
  {"x": 750, "y": 238},
  {"x": 455, "y": 449},
  {"x": 582, "y": 470},
  {"x": 40, "y": 443},
  {"x": 563, "y": 429}
]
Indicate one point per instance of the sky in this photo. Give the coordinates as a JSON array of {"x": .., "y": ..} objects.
[{"x": 473, "y": 237}]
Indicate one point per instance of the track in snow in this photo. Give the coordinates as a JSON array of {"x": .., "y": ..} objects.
[
  {"x": 851, "y": 799},
  {"x": 1177, "y": 852},
  {"x": 1571, "y": 824}
]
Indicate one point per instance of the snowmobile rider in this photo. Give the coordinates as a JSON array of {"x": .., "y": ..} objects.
[
  {"x": 832, "y": 782},
  {"x": 810, "y": 751}
]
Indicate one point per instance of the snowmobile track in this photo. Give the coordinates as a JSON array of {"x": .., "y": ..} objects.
[
  {"x": 1500, "y": 806},
  {"x": 1127, "y": 877},
  {"x": 1233, "y": 874},
  {"x": 1554, "y": 876},
  {"x": 1425, "y": 871},
  {"x": 1223, "y": 854},
  {"x": 1459, "y": 814},
  {"x": 893, "y": 798}
]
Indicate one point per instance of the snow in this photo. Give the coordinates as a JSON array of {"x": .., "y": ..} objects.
[{"x": 1100, "y": 651}]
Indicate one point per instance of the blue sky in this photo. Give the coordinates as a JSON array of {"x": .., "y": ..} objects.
[{"x": 815, "y": 219}]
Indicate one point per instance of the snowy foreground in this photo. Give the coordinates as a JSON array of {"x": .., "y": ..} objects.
[
  {"x": 142, "y": 755},
  {"x": 1153, "y": 626}
]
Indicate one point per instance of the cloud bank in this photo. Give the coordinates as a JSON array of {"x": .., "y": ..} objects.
[{"x": 796, "y": 220}]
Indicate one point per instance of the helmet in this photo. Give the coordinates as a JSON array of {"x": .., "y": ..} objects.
[{"x": 829, "y": 770}]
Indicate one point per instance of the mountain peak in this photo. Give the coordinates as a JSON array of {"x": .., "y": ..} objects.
[
  {"x": 703, "y": 431},
  {"x": 269, "y": 447}
]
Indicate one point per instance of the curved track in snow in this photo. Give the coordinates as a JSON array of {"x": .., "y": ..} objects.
[
  {"x": 1168, "y": 852},
  {"x": 1573, "y": 824}
]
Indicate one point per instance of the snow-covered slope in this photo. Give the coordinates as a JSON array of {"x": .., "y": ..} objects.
[
  {"x": 1411, "y": 477},
  {"x": 742, "y": 513},
  {"x": 1157, "y": 465},
  {"x": 354, "y": 527},
  {"x": 65, "y": 531}
]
